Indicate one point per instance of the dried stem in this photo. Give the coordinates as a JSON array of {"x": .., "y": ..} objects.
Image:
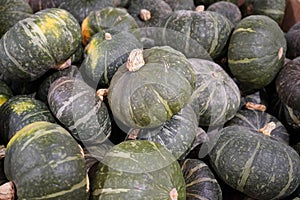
[{"x": 135, "y": 60}]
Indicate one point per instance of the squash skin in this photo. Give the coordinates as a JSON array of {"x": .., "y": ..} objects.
[
  {"x": 56, "y": 169},
  {"x": 5, "y": 92},
  {"x": 38, "y": 5},
  {"x": 256, "y": 51},
  {"x": 19, "y": 111},
  {"x": 151, "y": 173},
  {"x": 255, "y": 165},
  {"x": 207, "y": 3},
  {"x": 181, "y": 4},
  {"x": 50, "y": 37},
  {"x": 201, "y": 182},
  {"x": 292, "y": 39},
  {"x": 137, "y": 106}
]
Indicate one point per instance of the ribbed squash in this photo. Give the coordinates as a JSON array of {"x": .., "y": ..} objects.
[
  {"x": 109, "y": 19},
  {"x": 19, "y": 111},
  {"x": 76, "y": 106},
  {"x": 5, "y": 92},
  {"x": 45, "y": 162},
  {"x": 292, "y": 39},
  {"x": 200, "y": 181},
  {"x": 210, "y": 29},
  {"x": 256, "y": 51},
  {"x": 216, "y": 98},
  {"x": 138, "y": 170},
  {"x": 105, "y": 53},
  {"x": 254, "y": 164},
  {"x": 12, "y": 11},
  {"x": 151, "y": 87},
  {"x": 40, "y": 42}
]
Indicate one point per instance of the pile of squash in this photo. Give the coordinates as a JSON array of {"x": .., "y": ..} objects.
[{"x": 149, "y": 99}]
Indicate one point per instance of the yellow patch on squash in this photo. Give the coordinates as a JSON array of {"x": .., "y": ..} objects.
[
  {"x": 50, "y": 24},
  {"x": 21, "y": 107},
  {"x": 3, "y": 99}
]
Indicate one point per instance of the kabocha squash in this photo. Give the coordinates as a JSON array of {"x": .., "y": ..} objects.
[
  {"x": 149, "y": 13},
  {"x": 138, "y": 170},
  {"x": 254, "y": 164},
  {"x": 256, "y": 51},
  {"x": 19, "y": 111},
  {"x": 5, "y": 92},
  {"x": 216, "y": 98},
  {"x": 200, "y": 181},
  {"x": 12, "y": 11},
  {"x": 45, "y": 162},
  {"x": 158, "y": 83},
  {"x": 181, "y": 4},
  {"x": 292, "y": 39},
  {"x": 38, "y": 5},
  {"x": 109, "y": 19},
  {"x": 76, "y": 106},
  {"x": 177, "y": 134},
  {"x": 40, "y": 42},
  {"x": 210, "y": 29},
  {"x": 105, "y": 53}
]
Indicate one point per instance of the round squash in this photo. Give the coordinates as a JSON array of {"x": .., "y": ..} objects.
[
  {"x": 210, "y": 29},
  {"x": 109, "y": 19},
  {"x": 19, "y": 111},
  {"x": 76, "y": 106},
  {"x": 5, "y": 92},
  {"x": 12, "y": 11},
  {"x": 255, "y": 165},
  {"x": 45, "y": 162},
  {"x": 138, "y": 170},
  {"x": 158, "y": 83},
  {"x": 216, "y": 98},
  {"x": 200, "y": 180},
  {"x": 105, "y": 53},
  {"x": 292, "y": 39},
  {"x": 34, "y": 45},
  {"x": 256, "y": 51}
]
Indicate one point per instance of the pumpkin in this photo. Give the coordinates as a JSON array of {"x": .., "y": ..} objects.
[
  {"x": 200, "y": 180},
  {"x": 76, "y": 105},
  {"x": 181, "y": 4},
  {"x": 34, "y": 45},
  {"x": 159, "y": 82},
  {"x": 109, "y": 19},
  {"x": 19, "y": 111},
  {"x": 5, "y": 92},
  {"x": 254, "y": 164},
  {"x": 81, "y": 8},
  {"x": 12, "y": 11},
  {"x": 38, "y": 5},
  {"x": 210, "y": 29},
  {"x": 45, "y": 162},
  {"x": 177, "y": 134},
  {"x": 256, "y": 51},
  {"x": 216, "y": 98},
  {"x": 105, "y": 53},
  {"x": 149, "y": 13},
  {"x": 292, "y": 39},
  {"x": 138, "y": 169},
  {"x": 228, "y": 9}
]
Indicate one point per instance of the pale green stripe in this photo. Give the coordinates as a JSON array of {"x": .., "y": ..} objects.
[
  {"x": 201, "y": 180},
  {"x": 110, "y": 191},
  {"x": 244, "y": 30},
  {"x": 167, "y": 107},
  {"x": 195, "y": 196},
  {"x": 220, "y": 151},
  {"x": 191, "y": 172},
  {"x": 214, "y": 42},
  {"x": 57, "y": 86},
  {"x": 242, "y": 61}
]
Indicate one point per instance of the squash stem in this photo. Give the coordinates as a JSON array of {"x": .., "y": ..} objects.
[
  {"x": 7, "y": 191},
  {"x": 174, "y": 194},
  {"x": 200, "y": 8},
  {"x": 2, "y": 151},
  {"x": 145, "y": 14},
  {"x": 101, "y": 93},
  {"x": 268, "y": 128},
  {"x": 135, "y": 60},
  {"x": 254, "y": 106}
]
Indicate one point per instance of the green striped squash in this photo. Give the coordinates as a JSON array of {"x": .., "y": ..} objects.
[
  {"x": 200, "y": 181},
  {"x": 138, "y": 170},
  {"x": 216, "y": 98},
  {"x": 19, "y": 111},
  {"x": 76, "y": 105},
  {"x": 151, "y": 87},
  {"x": 256, "y": 51},
  {"x": 12, "y": 11},
  {"x": 45, "y": 162},
  {"x": 255, "y": 165},
  {"x": 34, "y": 45},
  {"x": 5, "y": 92}
]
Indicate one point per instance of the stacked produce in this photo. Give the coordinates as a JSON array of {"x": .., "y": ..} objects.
[{"x": 139, "y": 99}]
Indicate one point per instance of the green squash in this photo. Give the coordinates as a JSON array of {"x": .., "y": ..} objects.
[
  {"x": 76, "y": 106},
  {"x": 211, "y": 29},
  {"x": 19, "y": 111},
  {"x": 181, "y": 4},
  {"x": 216, "y": 98},
  {"x": 40, "y": 42},
  {"x": 38, "y": 5},
  {"x": 109, "y": 19},
  {"x": 200, "y": 180},
  {"x": 45, "y": 162},
  {"x": 138, "y": 170},
  {"x": 158, "y": 83},
  {"x": 254, "y": 164},
  {"x": 256, "y": 51},
  {"x": 292, "y": 39},
  {"x": 105, "y": 53},
  {"x": 12, "y": 11},
  {"x": 5, "y": 92}
]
